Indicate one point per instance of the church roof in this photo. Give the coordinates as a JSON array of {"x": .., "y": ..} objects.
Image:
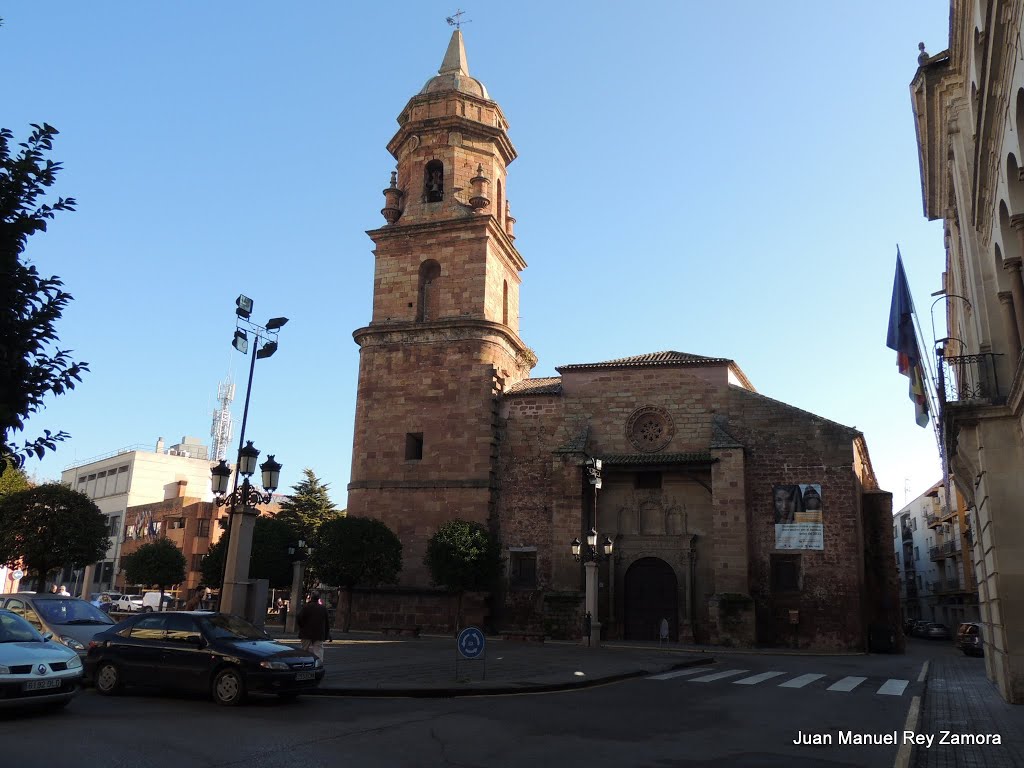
[
  {"x": 453, "y": 74},
  {"x": 551, "y": 385},
  {"x": 648, "y": 360}
]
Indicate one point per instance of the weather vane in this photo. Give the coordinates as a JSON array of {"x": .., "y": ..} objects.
[{"x": 455, "y": 20}]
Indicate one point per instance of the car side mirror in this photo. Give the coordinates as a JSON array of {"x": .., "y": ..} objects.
[
  {"x": 196, "y": 640},
  {"x": 47, "y": 637}
]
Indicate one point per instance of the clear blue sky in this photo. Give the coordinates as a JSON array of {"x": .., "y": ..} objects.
[{"x": 725, "y": 179}]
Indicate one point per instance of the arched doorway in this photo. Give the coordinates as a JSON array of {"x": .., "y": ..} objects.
[{"x": 650, "y": 593}]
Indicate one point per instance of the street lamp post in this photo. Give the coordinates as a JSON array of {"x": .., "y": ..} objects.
[
  {"x": 242, "y": 501},
  {"x": 590, "y": 557},
  {"x": 298, "y": 554},
  {"x": 234, "y": 581}
]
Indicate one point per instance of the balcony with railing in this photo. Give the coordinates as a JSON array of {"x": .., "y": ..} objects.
[
  {"x": 970, "y": 379},
  {"x": 944, "y": 550}
]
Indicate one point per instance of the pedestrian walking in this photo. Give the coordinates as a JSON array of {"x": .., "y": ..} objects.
[{"x": 314, "y": 625}]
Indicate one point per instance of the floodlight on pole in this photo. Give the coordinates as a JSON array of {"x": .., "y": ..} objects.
[
  {"x": 275, "y": 323},
  {"x": 241, "y": 341},
  {"x": 243, "y": 306}
]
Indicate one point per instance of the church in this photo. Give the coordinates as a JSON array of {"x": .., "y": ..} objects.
[{"x": 702, "y": 509}]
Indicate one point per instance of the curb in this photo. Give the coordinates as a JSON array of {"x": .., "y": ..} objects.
[{"x": 507, "y": 689}]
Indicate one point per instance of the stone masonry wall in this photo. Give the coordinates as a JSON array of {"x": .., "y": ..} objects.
[{"x": 785, "y": 445}]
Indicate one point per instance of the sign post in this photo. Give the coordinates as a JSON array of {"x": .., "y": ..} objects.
[{"x": 470, "y": 645}]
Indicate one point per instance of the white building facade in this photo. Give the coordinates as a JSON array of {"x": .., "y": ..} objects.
[{"x": 129, "y": 477}]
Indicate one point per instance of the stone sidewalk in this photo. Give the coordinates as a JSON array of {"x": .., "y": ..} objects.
[{"x": 960, "y": 699}]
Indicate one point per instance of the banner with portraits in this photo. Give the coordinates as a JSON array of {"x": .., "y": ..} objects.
[{"x": 799, "y": 523}]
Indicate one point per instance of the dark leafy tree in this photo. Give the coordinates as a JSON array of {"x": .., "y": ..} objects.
[
  {"x": 269, "y": 558},
  {"x": 50, "y": 527},
  {"x": 159, "y": 563},
  {"x": 356, "y": 551},
  {"x": 463, "y": 557},
  {"x": 212, "y": 565},
  {"x": 30, "y": 366},
  {"x": 308, "y": 507}
]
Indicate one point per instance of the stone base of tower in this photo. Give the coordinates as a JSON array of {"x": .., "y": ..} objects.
[{"x": 402, "y": 610}]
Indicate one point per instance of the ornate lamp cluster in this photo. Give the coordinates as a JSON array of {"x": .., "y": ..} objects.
[
  {"x": 246, "y": 495},
  {"x": 592, "y": 552}
]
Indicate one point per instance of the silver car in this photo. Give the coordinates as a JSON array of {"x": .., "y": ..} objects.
[
  {"x": 34, "y": 670},
  {"x": 71, "y": 620}
]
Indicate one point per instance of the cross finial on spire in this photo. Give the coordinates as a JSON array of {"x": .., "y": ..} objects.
[{"x": 455, "y": 20}]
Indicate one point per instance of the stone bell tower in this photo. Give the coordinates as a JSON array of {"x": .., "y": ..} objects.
[{"x": 443, "y": 341}]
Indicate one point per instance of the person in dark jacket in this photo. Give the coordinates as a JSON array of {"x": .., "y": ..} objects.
[{"x": 314, "y": 625}]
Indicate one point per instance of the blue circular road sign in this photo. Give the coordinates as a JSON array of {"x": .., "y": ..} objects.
[{"x": 471, "y": 643}]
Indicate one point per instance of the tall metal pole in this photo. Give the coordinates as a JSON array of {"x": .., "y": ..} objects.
[{"x": 238, "y": 462}]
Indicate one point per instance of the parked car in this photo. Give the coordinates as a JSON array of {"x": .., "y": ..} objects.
[
  {"x": 34, "y": 670},
  {"x": 128, "y": 603},
  {"x": 71, "y": 620},
  {"x": 920, "y": 629},
  {"x": 151, "y": 602},
  {"x": 969, "y": 640},
  {"x": 201, "y": 651},
  {"x": 937, "y": 631}
]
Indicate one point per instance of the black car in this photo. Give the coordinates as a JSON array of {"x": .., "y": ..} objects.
[{"x": 201, "y": 651}]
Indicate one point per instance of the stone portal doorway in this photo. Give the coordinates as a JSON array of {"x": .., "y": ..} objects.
[{"x": 650, "y": 593}]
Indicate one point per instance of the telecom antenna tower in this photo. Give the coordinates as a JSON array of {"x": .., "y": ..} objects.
[{"x": 220, "y": 431}]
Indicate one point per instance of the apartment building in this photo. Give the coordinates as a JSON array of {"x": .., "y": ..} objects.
[{"x": 130, "y": 477}]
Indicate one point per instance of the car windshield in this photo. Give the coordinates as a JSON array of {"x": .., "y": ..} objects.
[
  {"x": 223, "y": 626},
  {"x": 71, "y": 611},
  {"x": 14, "y": 629}
]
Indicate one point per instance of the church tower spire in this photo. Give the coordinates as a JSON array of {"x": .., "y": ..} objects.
[{"x": 443, "y": 338}]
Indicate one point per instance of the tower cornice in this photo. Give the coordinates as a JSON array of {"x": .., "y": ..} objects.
[
  {"x": 498, "y": 134},
  {"x": 472, "y": 222}
]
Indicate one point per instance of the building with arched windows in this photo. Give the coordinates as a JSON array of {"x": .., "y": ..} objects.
[
  {"x": 734, "y": 518},
  {"x": 969, "y": 109}
]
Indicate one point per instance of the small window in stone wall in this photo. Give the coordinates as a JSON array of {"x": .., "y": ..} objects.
[
  {"x": 522, "y": 569},
  {"x": 785, "y": 573},
  {"x": 647, "y": 480},
  {"x": 413, "y": 446},
  {"x": 203, "y": 529}
]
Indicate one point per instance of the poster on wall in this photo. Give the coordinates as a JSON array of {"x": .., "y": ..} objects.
[{"x": 798, "y": 516}]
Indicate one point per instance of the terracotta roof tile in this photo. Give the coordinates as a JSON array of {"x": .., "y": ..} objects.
[
  {"x": 650, "y": 359},
  {"x": 551, "y": 385}
]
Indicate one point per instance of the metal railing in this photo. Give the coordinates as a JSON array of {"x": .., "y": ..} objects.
[{"x": 970, "y": 377}]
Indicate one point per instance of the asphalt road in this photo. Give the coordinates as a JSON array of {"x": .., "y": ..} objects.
[{"x": 678, "y": 721}]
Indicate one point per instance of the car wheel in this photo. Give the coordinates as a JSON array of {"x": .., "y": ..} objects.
[
  {"x": 229, "y": 687},
  {"x": 107, "y": 679},
  {"x": 147, "y": 609}
]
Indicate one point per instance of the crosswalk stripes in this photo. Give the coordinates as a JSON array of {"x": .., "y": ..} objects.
[
  {"x": 801, "y": 681},
  {"x": 894, "y": 687},
  {"x": 890, "y": 687},
  {"x": 719, "y": 675},
  {"x": 755, "y": 679},
  {"x": 678, "y": 673},
  {"x": 846, "y": 684}
]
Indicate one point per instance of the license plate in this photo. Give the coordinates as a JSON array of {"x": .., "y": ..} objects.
[
  {"x": 305, "y": 675},
  {"x": 40, "y": 685}
]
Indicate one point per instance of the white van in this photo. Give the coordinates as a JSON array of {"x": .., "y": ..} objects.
[{"x": 151, "y": 602}]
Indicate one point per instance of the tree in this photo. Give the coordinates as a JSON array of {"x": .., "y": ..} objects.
[
  {"x": 356, "y": 551},
  {"x": 30, "y": 368},
  {"x": 14, "y": 479},
  {"x": 50, "y": 527},
  {"x": 269, "y": 558},
  {"x": 158, "y": 563},
  {"x": 461, "y": 557},
  {"x": 308, "y": 507}
]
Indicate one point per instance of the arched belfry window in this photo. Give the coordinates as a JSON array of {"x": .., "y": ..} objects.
[
  {"x": 504, "y": 302},
  {"x": 427, "y": 300},
  {"x": 499, "y": 209},
  {"x": 433, "y": 182}
]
